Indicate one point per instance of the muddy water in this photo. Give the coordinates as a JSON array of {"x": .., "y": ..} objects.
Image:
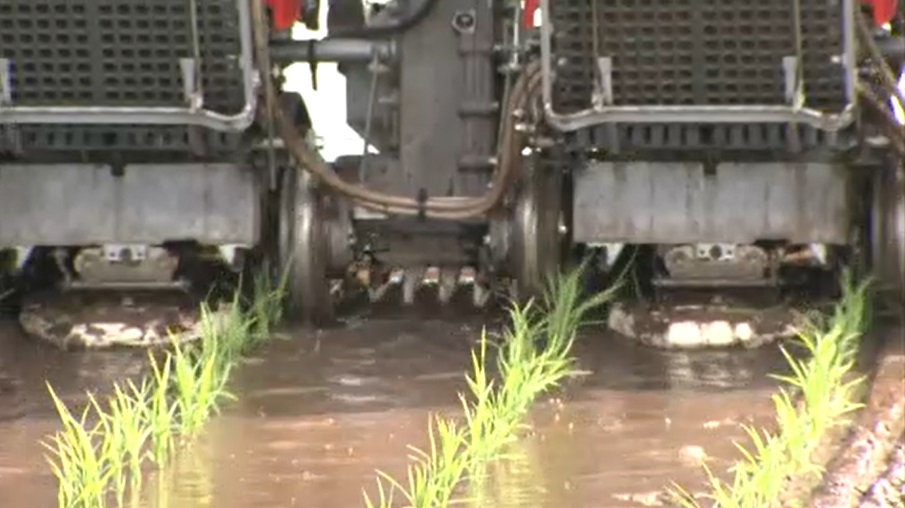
[
  {"x": 318, "y": 413},
  {"x": 26, "y": 410}
]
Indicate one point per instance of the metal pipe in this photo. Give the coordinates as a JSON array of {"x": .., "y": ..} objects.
[
  {"x": 698, "y": 114},
  {"x": 331, "y": 50},
  {"x": 155, "y": 115},
  {"x": 849, "y": 50},
  {"x": 892, "y": 48}
]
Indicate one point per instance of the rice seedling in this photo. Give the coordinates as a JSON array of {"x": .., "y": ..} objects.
[
  {"x": 159, "y": 413},
  {"x": 80, "y": 464},
  {"x": 125, "y": 428},
  {"x": 104, "y": 450},
  {"x": 199, "y": 382},
  {"x": 434, "y": 474},
  {"x": 533, "y": 357},
  {"x": 266, "y": 307},
  {"x": 91, "y": 459},
  {"x": 816, "y": 397}
]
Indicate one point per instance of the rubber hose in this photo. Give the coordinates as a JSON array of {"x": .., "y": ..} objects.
[
  {"x": 898, "y": 134},
  {"x": 487, "y": 203},
  {"x": 438, "y": 207},
  {"x": 444, "y": 208},
  {"x": 890, "y": 81}
]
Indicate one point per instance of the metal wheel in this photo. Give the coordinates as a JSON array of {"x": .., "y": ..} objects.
[
  {"x": 537, "y": 227},
  {"x": 303, "y": 249},
  {"x": 887, "y": 234}
]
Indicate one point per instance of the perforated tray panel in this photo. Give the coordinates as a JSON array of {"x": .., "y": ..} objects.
[
  {"x": 696, "y": 52},
  {"x": 104, "y": 138},
  {"x": 119, "y": 52}
]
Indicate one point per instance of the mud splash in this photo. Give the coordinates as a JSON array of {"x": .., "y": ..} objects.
[
  {"x": 318, "y": 414},
  {"x": 97, "y": 319}
]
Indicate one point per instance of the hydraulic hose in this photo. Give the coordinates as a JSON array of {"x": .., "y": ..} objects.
[
  {"x": 887, "y": 76},
  {"x": 439, "y": 208},
  {"x": 888, "y": 83},
  {"x": 525, "y": 88},
  {"x": 401, "y": 26},
  {"x": 898, "y": 133}
]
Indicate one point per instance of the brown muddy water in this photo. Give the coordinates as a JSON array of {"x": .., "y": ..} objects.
[{"x": 317, "y": 414}]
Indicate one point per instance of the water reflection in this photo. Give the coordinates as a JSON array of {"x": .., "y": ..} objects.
[
  {"x": 318, "y": 415},
  {"x": 187, "y": 482},
  {"x": 515, "y": 481}
]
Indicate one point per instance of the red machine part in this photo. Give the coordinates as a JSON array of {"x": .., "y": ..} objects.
[
  {"x": 884, "y": 10},
  {"x": 285, "y": 13},
  {"x": 528, "y": 11}
]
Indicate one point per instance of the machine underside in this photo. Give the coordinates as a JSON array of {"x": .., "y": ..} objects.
[{"x": 727, "y": 157}]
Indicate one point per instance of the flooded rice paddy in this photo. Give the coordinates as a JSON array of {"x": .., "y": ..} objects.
[{"x": 318, "y": 413}]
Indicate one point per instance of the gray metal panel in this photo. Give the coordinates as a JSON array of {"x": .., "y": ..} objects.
[
  {"x": 384, "y": 135},
  {"x": 645, "y": 202},
  {"x": 77, "y": 204},
  {"x": 444, "y": 74}
]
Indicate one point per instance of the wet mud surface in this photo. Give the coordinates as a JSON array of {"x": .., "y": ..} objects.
[
  {"x": 318, "y": 413},
  {"x": 705, "y": 325},
  {"x": 888, "y": 490},
  {"x": 868, "y": 468},
  {"x": 96, "y": 319}
]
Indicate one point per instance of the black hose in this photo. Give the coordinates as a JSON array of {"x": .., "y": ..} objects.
[{"x": 397, "y": 28}]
